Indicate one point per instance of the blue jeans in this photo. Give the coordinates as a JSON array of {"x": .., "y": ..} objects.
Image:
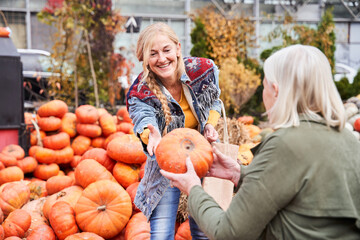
[{"x": 163, "y": 218}]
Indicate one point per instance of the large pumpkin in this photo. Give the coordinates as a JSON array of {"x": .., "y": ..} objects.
[
  {"x": 127, "y": 149},
  {"x": 104, "y": 208},
  {"x": 176, "y": 146},
  {"x": 183, "y": 232},
  {"x": 56, "y": 108}
]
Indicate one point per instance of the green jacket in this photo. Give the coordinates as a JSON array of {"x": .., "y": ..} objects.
[{"x": 303, "y": 183}]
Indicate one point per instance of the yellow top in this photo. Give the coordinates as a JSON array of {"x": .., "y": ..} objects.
[{"x": 190, "y": 119}]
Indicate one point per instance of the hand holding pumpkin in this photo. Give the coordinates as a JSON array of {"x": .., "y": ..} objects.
[
  {"x": 184, "y": 181},
  {"x": 224, "y": 167},
  {"x": 154, "y": 139}
]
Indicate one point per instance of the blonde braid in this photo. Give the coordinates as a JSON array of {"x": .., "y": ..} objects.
[{"x": 155, "y": 88}]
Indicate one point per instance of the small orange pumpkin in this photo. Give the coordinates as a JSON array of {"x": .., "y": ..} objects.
[
  {"x": 80, "y": 144},
  {"x": 183, "y": 232},
  {"x": 14, "y": 150},
  {"x": 127, "y": 149},
  {"x": 87, "y": 114},
  {"x": 126, "y": 174},
  {"x": 123, "y": 115},
  {"x": 58, "y": 183},
  {"x": 56, "y": 108},
  {"x": 13, "y": 196},
  {"x": 42, "y": 232},
  {"x": 138, "y": 227},
  {"x": 46, "y": 171},
  {"x": 89, "y": 130},
  {"x": 68, "y": 124},
  {"x": 62, "y": 220},
  {"x": 176, "y": 146},
  {"x": 100, "y": 155},
  {"x": 17, "y": 223},
  {"x": 49, "y": 124},
  {"x": 27, "y": 165},
  {"x": 84, "y": 236},
  {"x": 107, "y": 124},
  {"x": 57, "y": 141}
]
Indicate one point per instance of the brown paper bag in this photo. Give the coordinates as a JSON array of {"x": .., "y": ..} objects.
[{"x": 222, "y": 190}]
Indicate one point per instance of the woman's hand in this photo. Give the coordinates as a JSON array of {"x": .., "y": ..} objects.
[
  {"x": 154, "y": 139},
  {"x": 224, "y": 167},
  {"x": 184, "y": 181},
  {"x": 210, "y": 133}
]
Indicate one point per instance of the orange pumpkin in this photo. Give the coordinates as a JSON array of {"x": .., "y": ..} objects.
[
  {"x": 123, "y": 115},
  {"x": 14, "y": 150},
  {"x": 98, "y": 142},
  {"x": 70, "y": 195},
  {"x": 68, "y": 124},
  {"x": 62, "y": 220},
  {"x": 80, "y": 145},
  {"x": 27, "y": 165},
  {"x": 64, "y": 155},
  {"x": 84, "y": 236},
  {"x": 13, "y": 196},
  {"x": 131, "y": 189},
  {"x": 126, "y": 174},
  {"x": 125, "y": 127},
  {"x": 89, "y": 171},
  {"x": 100, "y": 155},
  {"x": 89, "y": 130},
  {"x": 56, "y": 108},
  {"x": 49, "y": 124},
  {"x": 8, "y": 160},
  {"x": 183, "y": 232},
  {"x": 57, "y": 141},
  {"x": 253, "y": 130},
  {"x": 104, "y": 208},
  {"x": 34, "y": 137},
  {"x": 127, "y": 149},
  {"x": 107, "y": 123},
  {"x": 46, "y": 171},
  {"x": 37, "y": 189},
  {"x": 75, "y": 161},
  {"x": 138, "y": 227},
  {"x": 33, "y": 150},
  {"x": 246, "y": 119},
  {"x": 58, "y": 183},
  {"x": 17, "y": 223},
  {"x": 42, "y": 232},
  {"x": 111, "y": 137},
  {"x": 11, "y": 174},
  {"x": 176, "y": 146},
  {"x": 87, "y": 114}
]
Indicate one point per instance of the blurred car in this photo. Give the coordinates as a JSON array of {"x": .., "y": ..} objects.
[
  {"x": 36, "y": 64},
  {"x": 343, "y": 70}
]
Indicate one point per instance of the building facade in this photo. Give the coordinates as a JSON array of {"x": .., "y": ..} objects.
[{"x": 28, "y": 32}]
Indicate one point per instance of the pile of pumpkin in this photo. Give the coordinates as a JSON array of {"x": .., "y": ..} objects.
[{"x": 78, "y": 180}]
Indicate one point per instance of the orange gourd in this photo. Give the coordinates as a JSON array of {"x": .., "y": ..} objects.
[
  {"x": 100, "y": 155},
  {"x": 183, "y": 232},
  {"x": 89, "y": 130},
  {"x": 70, "y": 195},
  {"x": 89, "y": 171},
  {"x": 107, "y": 123},
  {"x": 138, "y": 227},
  {"x": 68, "y": 124},
  {"x": 57, "y": 141},
  {"x": 104, "y": 208},
  {"x": 80, "y": 145},
  {"x": 126, "y": 174},
  {"x": 8, "y": 160},
  {"x": 62, "y": 220},
  {"x": 127, "y": 149},
  {"x": 58, "y": 183},
  {"x": 87, "y": 114},
  {"x": 56, "y": 108},
  {"x": 49, "y": 124},
  {"x": 27, "y": 165},
  {"x": 13, "y": 196},
  {"x": 42, "y": 232},
  {"x": 17, "y": 223},
  {"x": 11, "y": 174},
  {"x": 123, "y": 115},
  {"x": 176, "y": 146},
  {"x": 46, "y": 171},
  {"x": 14, "y": 150}
]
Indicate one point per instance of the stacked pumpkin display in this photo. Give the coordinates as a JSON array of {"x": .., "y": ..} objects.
[{"x": 79, "y": 179}]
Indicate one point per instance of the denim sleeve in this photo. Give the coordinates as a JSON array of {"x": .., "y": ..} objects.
[
  {"x": 217, "y": 103},
  {"x": 141, "y": 114}
]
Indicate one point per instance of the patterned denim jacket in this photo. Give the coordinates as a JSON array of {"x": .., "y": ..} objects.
[{"x": 201, "y": 88}]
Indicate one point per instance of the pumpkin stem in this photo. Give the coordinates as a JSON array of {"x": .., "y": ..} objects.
[
  {"x": 101, "y": 208},
  {"x": 187, "y": 144},
  {"x": 60, "y": 194}
]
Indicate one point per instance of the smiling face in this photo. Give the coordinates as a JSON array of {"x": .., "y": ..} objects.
[{"x": 163, "y": 58}]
